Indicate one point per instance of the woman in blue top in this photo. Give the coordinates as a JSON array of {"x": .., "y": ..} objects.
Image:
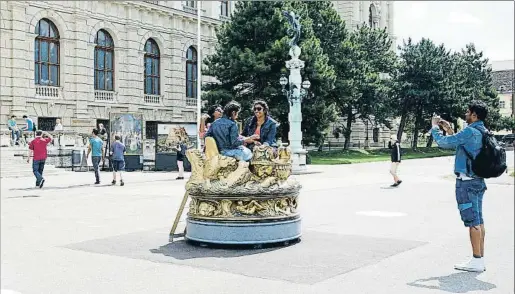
[{"x": 261, "y": 124}]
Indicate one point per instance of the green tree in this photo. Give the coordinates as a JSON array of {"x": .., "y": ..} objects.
[
  {"x": 250, "y": 57},
  {"x": 505, "y": 124},
  {"x": 432, "y": 80},
  {"x": 423, "y": 83},
  {"x": 360, "y": 92},
  {"x": 475, "y": 76}
]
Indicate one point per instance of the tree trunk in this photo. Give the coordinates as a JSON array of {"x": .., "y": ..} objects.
[
  {"x": 429, "y": 141},
  {"x": 402, "y": 124},
  {"x": 418, "y": 120},
  {"x": 415, "y": 138},
  {"x": 348, "y": 129}
]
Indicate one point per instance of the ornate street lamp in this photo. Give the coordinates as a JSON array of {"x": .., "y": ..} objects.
[{"x": 293, "y": 93}]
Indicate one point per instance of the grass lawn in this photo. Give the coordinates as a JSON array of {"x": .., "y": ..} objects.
[{"x": 360, "y": 156}]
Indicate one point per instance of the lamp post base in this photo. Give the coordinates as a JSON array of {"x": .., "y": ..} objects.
[{"x": 298, "y": 165}]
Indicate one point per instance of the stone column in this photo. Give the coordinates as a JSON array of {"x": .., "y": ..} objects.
[
  {"x": 20, "y": 72},
  {"x": 82, "y": 85},
  {"x": 295, "y": 115},
  {"x": 133, "y": 68},
  {"x": 390, "y": 25}
]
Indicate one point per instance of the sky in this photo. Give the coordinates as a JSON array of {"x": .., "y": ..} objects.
[{"x": 487, "y": 24}]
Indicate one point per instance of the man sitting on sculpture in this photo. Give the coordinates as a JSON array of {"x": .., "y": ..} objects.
[
  {"x": 262, "y": 125},
  {"x": 225, "y": 132}
]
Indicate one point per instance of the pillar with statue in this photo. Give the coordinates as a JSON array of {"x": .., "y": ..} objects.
[{"x": 295, "y": 90}]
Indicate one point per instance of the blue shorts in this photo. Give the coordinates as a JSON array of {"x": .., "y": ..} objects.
[
  {"x": 118, "y": 165},
  {"x": 469, "y": 195}
]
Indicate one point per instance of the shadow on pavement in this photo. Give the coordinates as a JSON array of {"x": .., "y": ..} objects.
[
  {"x": 57, "y": 188},
  {"x": 184, "y": 250},
  {"x": 461, "y": 282}
]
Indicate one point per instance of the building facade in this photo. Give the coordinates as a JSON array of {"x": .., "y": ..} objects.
[
  {"x": 82, "y": 60},
  {"x": 376, "y": 14},
  {"x": 503, "y": 81}
]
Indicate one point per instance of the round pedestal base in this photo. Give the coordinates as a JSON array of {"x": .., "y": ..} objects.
[{"x": 266, "y": 232}]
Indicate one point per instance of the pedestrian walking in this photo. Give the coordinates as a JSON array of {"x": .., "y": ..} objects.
[
  {"x": 395, "y": 146},
  {"x": 478, "y": 156},
  {"x": 95, "y": 147},
  {"x": 118, "y": 159},
  {"x": 38, "y": 151},
  {"x": 181, "y": 152}
]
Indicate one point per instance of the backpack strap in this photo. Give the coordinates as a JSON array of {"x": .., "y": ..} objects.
[{"x": 469, "y": 156}]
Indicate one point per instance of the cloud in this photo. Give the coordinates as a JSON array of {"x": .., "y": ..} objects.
[{"x": 460, "y": 17}]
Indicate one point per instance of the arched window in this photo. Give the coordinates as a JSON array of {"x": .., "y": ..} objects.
[
  {"x": 104, "y": 61},
  {"x": 151, "y": 68},
  {"x": 191, "y": 73},
  {"x": 372, "y": 17},
  {"x": 224, "y": 8},
  {"x": 46, "y": 54}
]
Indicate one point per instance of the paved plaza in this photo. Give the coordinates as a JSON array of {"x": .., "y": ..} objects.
[{"x": 359, "y": 236}]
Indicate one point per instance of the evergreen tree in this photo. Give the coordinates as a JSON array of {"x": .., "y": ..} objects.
[
  {"x": 476, "y": 83},
  {"x": 423, "y": 83},
  {"x": 360, "y": 92},
  {"x": 250, "y": 58}
]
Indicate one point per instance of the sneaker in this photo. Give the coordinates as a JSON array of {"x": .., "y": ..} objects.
[
  {"x": 113, "y": 182},
  {"x": 473, "y": 265},
  {"x": 399, "y": 182},
  {"x": 41, "y": 184},
  {"x": 395, "y": 184},
  {"x": 122, "y": 183},
  {"x": 180, "y": 178},
  {"x": 97, "y": 182}
]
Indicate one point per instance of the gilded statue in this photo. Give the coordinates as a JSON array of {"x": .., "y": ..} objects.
[
  {"x": 213, "y": 173},
  {"x": 221, "y": 187},
  {"x": 283, "y": 206}
]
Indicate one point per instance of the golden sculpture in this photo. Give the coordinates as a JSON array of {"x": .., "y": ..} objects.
[
  {"x": 217, "y": 174},
  {"x": 221, "y": 187},
  {"x": 249, "y": 209}
]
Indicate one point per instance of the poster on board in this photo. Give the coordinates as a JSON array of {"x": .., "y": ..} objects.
[
  {"x": 169, "y": 136},
  {"x": 129, "y": 127}
]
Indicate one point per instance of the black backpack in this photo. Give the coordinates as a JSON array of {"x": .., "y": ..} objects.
[{"x": 491, "y": 160}]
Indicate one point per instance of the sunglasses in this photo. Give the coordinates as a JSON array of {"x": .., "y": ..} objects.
[{"x": 258, "y": 108}]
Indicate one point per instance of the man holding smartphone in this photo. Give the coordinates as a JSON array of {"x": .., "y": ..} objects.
[{"x": 470, "y": 188}]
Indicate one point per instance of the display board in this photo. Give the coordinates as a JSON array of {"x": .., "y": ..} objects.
[
  {"x": 169, "y": 136},
  {"x": 130, "y": 128}
]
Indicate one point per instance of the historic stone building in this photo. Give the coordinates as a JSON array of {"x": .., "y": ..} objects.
[
  {"x": 503, "y": 80},
  {"x": 377, "y": 14},
  {"x": 82, "y": 60}
]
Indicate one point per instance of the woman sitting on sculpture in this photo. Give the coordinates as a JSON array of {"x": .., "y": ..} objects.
[
  {"x": 225, "y": 132},
  {"x": 261, "y": 125},
  {"x": 213, "y": 113}
]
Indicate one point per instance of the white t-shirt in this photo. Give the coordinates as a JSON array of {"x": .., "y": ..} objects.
[{"x": 58, "y": 127}]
